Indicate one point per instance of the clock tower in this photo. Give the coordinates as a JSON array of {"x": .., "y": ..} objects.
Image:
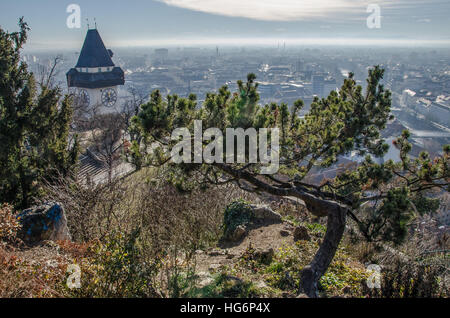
[{"x": 95, "y": 78}]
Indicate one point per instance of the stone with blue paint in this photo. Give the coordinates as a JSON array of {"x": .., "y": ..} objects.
[{"x": 44, "y": 222}]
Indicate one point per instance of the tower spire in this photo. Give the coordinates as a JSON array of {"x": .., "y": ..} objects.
[{"x": 95, "y": 75}]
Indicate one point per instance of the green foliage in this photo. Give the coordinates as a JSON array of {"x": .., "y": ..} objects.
[
  {"x": 136, "y": 155},
  {"x": 340, "y": 277},
  {"x": 399, "y": 191},
  {"x": 425, "y": 205},
  {"x": 343, "y": 276},
  {"x": 396, "y": 214},
  {"x": 284, "y": 272},
  {"x": 118, "y": 268},
  {"x": 316, "y": 228},
  {"x": 243, "y": 106},
  {"x": 225, "y": 286},
  {"x": 34, "y": 126},
  {"x": 291, "y": 219},
  {"x": 181, "y": 284},
  {"x": 237, "y": 213}
]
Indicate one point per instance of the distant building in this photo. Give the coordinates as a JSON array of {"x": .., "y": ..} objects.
[
  {"x": 407, "y": 97},
  {"x": 95, "y": 78},
  {"x": 299, "y": 66},
  {"x": 161, "y": 55},
  {"x": 437, "y": 112},
  {"x": 318, "y": 83},
  {"x": 280, "y": 69}
]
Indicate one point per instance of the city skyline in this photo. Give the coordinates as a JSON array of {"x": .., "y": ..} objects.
[{"x": 209, "y": 23}]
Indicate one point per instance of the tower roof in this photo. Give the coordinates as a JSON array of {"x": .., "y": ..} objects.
[
  {"x": 95, "y": 80},
  {"x": 94, "y": 52}
]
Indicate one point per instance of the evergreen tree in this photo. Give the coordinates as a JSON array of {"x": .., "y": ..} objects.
[
  {"x": 34, "y": 126},
  {"x": 380, "y": 198}
]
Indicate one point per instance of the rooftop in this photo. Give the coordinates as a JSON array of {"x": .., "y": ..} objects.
[{"x": 94, "y": 52}]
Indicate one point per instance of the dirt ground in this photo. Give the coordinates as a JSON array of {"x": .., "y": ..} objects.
[{"x": 263, "y": 236}]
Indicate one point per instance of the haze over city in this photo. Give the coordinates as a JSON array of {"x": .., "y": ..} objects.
[{"x": 253, "y": 22}]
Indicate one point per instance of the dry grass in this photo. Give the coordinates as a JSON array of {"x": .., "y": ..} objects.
[{"x": 165, "y": 216}]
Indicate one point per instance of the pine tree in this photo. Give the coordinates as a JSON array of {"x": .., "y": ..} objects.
[
  {"x": 34, "y": 126},
  {"x": 380, "y": 198}
]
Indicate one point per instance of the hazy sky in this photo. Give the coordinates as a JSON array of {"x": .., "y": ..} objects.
[{"x": 234, "y": 22}]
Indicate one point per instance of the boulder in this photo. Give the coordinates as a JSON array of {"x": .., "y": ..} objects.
[
  {"x": 241, "y": 217},
  {"x": 264, "y": 213},
  {"x": 301, "y": 234},
  {"x": 204, "y": 279},
  {"x": 239, "y": 233},
  {"x": 44, "y": 222},
  {"x": 214, "y": 267}
]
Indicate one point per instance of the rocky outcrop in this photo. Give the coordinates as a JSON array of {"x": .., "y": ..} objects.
[
  {"x": 266, "y": 214},
  {"x": 45, "y": 222},
  {"x": 239, "y": 233},
  {"x": 245, "y": 216}
]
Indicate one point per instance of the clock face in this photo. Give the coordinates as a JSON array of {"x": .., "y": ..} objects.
[
  {"x": 83, "y": 98},
  {"x": 109, "y": 97}
]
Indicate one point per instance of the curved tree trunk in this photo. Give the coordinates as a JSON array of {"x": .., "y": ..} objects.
[
  {"x": 319, "y": 265},
  {"x": 316, "y": 205}
]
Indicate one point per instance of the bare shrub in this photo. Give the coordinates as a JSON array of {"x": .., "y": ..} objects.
[
  {"x": 411, "y": 280},
  {"x": 93, "y": 211},
  {"x": 165, "y": 214},
  {"x": 173, "y": 224}
]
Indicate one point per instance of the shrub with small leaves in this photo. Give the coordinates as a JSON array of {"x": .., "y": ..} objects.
[
  {"x": 343, "y": 279},
  {"x": 9, "y": 226},
  {"x": 237, "y": 213},
  {"x": 119, "y": 269}
]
